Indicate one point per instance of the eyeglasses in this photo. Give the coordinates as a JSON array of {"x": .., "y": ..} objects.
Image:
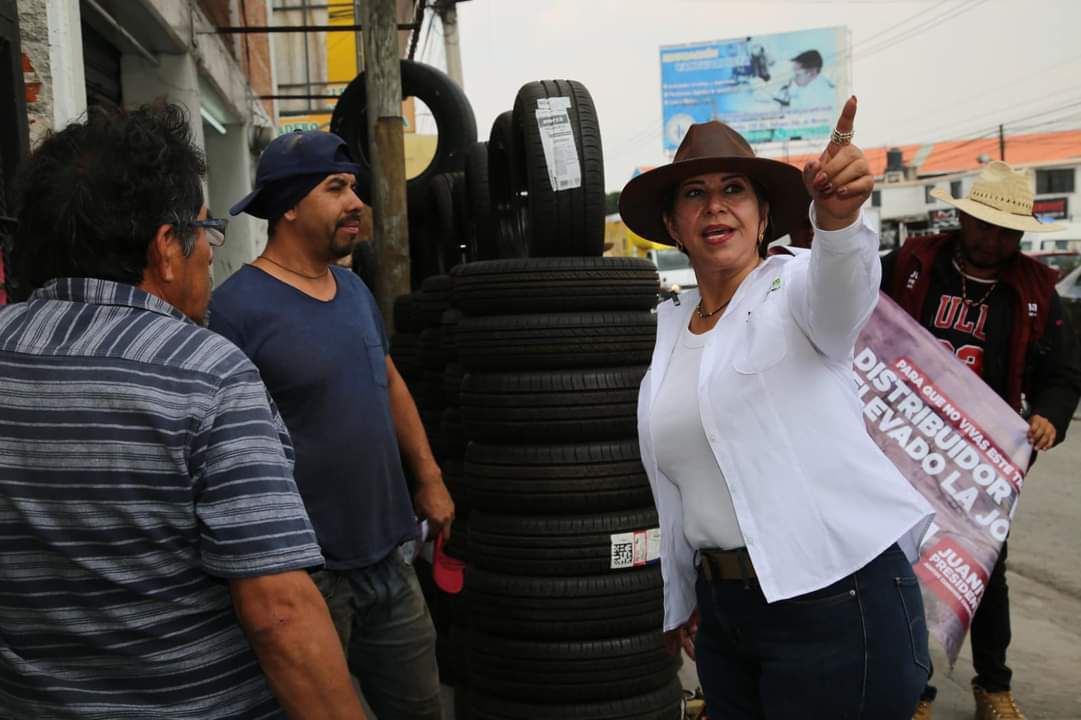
[{"x": 215, "y": 230}]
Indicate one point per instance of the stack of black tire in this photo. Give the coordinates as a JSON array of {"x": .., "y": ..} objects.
[
  {"x": 564, "y": 613},
  {"x": 527, "y": 386},
  {"x": 405, "y": 340},
  {"x": 423, "y": 350}
]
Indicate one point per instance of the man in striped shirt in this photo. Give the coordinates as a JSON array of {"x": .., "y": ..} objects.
[{"x": 153, "y": 547}]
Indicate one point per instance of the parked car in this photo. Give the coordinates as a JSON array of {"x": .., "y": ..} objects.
[
  {"x": 1069, "y": 289},
  {"x": 1062, "y": 261},
  {"x": 675, "y": 270}
]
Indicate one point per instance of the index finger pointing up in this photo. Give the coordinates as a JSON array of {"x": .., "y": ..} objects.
[{"x": 844, "y": 125}]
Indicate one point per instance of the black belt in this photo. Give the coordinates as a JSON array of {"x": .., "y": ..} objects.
[{"x": 719, "y": 565}]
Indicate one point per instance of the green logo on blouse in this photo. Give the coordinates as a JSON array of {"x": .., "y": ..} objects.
[{"x": 775, "y": 285}]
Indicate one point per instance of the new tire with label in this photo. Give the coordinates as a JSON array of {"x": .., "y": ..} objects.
[{"x": 558, "y": 143}]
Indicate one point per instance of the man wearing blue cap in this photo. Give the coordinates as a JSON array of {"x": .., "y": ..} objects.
[{"x": 316, "y": 335}]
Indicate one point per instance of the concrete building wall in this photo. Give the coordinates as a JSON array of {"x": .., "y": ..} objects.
[
  {"x": 300, "y": 58},
  {"x": 906, "y": 204},
  {"x": 229, "y": 178},
  {"x": 51, "y": 39},
  {"x": 168, "y": 50},
  {"x": 902, "y": 200},
  {"x": 37, "y": 72},
  {"x": 66, "y": 61},
  {"x": 144, "y": 82},
  {"x": 257, "y": 57}
]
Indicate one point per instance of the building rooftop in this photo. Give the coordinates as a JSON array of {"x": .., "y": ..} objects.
[{"x": 957, "y": 156}]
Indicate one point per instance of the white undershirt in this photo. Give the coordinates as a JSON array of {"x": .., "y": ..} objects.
[{"x": 684, "y": 454}]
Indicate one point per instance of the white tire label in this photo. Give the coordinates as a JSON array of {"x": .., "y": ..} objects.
[
  {"x": 631, "y": 549},
  {"x": 557, "y": 139}
]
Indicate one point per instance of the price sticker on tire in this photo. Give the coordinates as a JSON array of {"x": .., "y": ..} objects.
[
  {"x": 557, "y": 139},
  {"x": 632, "y": 549}
]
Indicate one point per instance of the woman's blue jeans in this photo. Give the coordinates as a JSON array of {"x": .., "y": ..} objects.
[{"x": 855, "y": 649}]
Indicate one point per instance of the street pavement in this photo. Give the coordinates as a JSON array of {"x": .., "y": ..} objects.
[{"x": 1044, "y": 574}]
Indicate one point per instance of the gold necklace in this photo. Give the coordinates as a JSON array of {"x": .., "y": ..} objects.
[
  {"x": 707, "y": 315},
  {"x": 320, "y": 276},
  {"x": 964, "y": 286}
]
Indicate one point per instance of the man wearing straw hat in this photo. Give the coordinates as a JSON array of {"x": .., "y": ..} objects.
[{"x": 997, "y": 311}]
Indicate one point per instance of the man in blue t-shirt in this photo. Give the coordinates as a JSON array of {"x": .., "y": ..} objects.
[{"x": 316, "y": 335}]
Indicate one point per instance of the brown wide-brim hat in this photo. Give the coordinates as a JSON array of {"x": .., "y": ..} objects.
[{"x": 708, "y": 148}]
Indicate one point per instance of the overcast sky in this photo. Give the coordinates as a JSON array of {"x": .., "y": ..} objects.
[{"x": 923, "y": 70}]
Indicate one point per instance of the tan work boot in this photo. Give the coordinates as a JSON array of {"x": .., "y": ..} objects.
[
  {"x": 923, "y": 710},
  {"x": 995, "y": 705}
]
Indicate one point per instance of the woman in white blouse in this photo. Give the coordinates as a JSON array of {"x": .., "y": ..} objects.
[{"x": 787, "y": 536}]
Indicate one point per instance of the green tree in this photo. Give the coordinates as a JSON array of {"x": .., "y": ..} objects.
[{"x": 611, "y": 203}]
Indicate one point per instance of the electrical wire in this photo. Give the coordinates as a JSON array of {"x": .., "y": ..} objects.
[
  {"x": 1008, "y": 84},
  {"x": 876, "y": 43},
  {"x": 418, "y": 20},
  {"x": 956, "y": 151},
  {"x": 897, "y": 33},
  {"x": 982, "y": 131},
  {"x": 427, "y": 35},
  {"x": 887, "y": 39},
  {"x": 896, "y": 40}
]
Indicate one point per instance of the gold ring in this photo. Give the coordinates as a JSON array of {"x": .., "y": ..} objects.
[{"x": 841, "y": 138}]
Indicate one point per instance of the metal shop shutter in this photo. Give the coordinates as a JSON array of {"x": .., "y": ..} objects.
[{"x": 101, "y": 64}]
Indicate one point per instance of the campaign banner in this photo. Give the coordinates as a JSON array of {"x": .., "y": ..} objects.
[
  {"x": 771, "y": 88},
  {"x": 959, "y": 444}
]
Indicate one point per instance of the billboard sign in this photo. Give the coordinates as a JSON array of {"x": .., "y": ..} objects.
[
  {"x": 771, "y": 88},
  {"x": 944, "y": 219},
  {"x": 1049, "y": 209}
]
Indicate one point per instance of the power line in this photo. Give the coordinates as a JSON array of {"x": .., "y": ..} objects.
[
  {"x": 941, "y": 19},
  {"x": 956, "y": 150},
  {"x": 1072, "y": 118},
  {"x": 1010, "y": 83},
  {"x": 427, "y": 35},
  {"x": 877, "y": 43},
  {"x": 984, "y": 130},
  {"x": 891, "y": 28},
  {"x": 889, "y": 38},
  {"x": 418, "y": 20},
  {"x": 897, "y": 29},
  {"x": 897, "y": 33}
]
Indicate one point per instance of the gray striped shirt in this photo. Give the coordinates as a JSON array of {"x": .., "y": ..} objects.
[{"x": 142, "y": 464}]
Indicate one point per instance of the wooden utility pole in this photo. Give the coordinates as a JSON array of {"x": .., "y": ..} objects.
[
  {"x": 386, "y": 151},
  {"x": 1001, "y": 144},
  {"x": 359, "y": 37}
]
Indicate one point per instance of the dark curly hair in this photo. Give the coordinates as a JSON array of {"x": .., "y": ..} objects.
[{"x": 91, "y": 198}]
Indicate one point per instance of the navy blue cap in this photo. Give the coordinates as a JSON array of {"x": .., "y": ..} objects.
[{"x": 299, "y": 153}]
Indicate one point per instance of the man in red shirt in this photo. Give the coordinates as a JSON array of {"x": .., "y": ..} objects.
[{"x": 997, "y": 311}]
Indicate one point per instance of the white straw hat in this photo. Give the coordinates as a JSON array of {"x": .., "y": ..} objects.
[{"x": 1001, "y": 196}]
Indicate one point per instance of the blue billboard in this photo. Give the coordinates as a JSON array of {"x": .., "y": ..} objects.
[{"x": 771, "y": 88}]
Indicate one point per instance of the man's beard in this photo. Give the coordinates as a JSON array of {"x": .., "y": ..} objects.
[{"x": 338, "y": 249}]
